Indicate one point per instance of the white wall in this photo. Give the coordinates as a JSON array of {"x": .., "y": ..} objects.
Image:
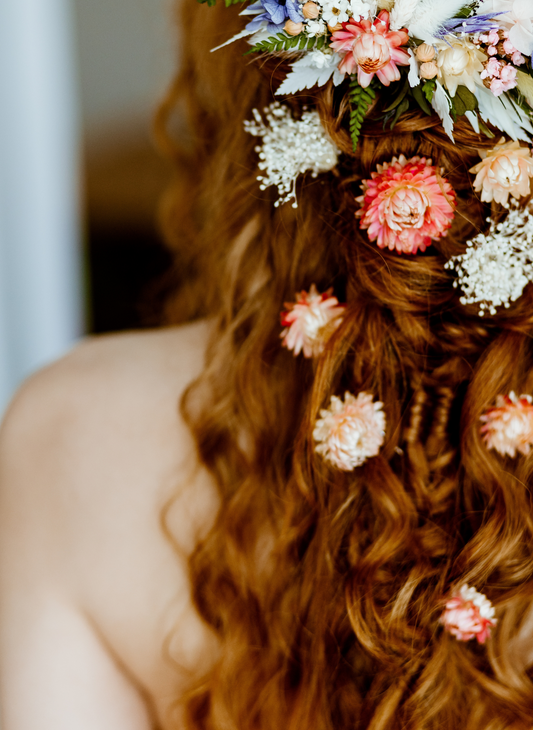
[
  {"x": 118, "y": 56},
  {"x": 40, "y": 290},
  {"x": 126, "y": 59}
]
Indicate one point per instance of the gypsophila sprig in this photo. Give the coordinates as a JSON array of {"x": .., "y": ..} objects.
[
  {"x": 290, "y": 147},
  {"x": 498, "y": 265}
]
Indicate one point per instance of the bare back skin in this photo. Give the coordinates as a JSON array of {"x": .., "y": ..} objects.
[{"x": 98, "y": 631}]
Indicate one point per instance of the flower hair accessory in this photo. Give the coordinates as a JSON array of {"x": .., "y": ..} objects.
[
  {"x": 505, "y": 170},
  {"x": 289, "y": 148},
  {"x": 351, "y": 431},
  {"x": 310, "y": 321},
  {"x": 406, "y": 205},
  {"x": 497, "y": 266},
  {"x": 468, "y": 615},
  {"x": 452, "y": 57},
  {"x": 508, "y": 427},
  {"x": 370, "y": 48}
]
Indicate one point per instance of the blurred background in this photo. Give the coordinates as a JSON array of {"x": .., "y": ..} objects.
[{"x": 80, "y": 179}]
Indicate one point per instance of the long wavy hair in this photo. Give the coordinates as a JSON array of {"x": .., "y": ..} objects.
[{"x": 326, "y": 587}]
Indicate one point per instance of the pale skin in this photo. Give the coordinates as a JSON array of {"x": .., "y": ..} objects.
[
  {"x": 97, "y": 627},
  {"x": 97, "y": 630}
]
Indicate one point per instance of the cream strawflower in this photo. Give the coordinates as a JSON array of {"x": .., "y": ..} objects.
[
  {"x": 460, "y": 63},
  {"x": 350, "y": 432},
  {"x": 505, "y": 170},
  {"x": 469, "y": 614},
  {"x": 310, "y": 321},
  {"x": 508, "y": 427}
]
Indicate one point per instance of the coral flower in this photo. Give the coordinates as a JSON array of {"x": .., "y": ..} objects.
[
  {"x": 469, "y": 614},
  {"x": 309, "y": 322},
  {"x": 350, "y": 432},
  {"x": 406, "y": 205},
  {"x": 372, "y": 48},
  {"x": 508, "y": 427},
  {"x": 505, "y": 170}
]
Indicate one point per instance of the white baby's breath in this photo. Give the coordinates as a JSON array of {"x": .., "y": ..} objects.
[
  {"x": 289, "y": 148},
  {"x": 498, "y": 265}
]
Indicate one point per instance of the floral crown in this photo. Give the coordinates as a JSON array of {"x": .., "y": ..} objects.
[{"x": 451, "y": 57}]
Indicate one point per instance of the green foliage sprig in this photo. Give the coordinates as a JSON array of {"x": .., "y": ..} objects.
[
  {"x": 467, "y": 11},
  {"x": 285, "y": 42},
  {"x": 360, "y": 101},
  {"x": 463, "y": 101}
]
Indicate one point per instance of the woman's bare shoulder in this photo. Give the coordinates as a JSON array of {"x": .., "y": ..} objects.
[
  {"x": 103, "y": 367},
  {"x": 91, "y": 450},
  {"x": 121, "y": 386}
]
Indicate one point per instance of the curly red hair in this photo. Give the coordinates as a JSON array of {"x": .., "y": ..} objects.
[{"x": 326, "y": 587}]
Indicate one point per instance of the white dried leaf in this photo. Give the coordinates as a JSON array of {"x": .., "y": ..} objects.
[
  {"x": 414, "y": 75},
  {"x": 442, "y": 105},
  {"x": 402, "y": 13},
  {"x": 431, "y": 15},
  {"x": 502, "y": 114},
  {"x": 310, "y": 70}
]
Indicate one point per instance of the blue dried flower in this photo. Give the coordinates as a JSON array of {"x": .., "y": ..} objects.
[
  {"x": 275, "y": 13},
  {"x": 475, "y": 24}
]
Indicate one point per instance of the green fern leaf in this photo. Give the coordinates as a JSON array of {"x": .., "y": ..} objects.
[{"x": 360, "y": 101}]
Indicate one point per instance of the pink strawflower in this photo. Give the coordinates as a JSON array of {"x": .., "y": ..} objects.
[
  {"x": 350, "y": 432},
  {"x": 406, "y": 205},
  {"x": 469, "y": 614},
  {"x": 310, "y": 320},
  {"x": 371, "y": 48},
  {"x": 508, "y": 427}
]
